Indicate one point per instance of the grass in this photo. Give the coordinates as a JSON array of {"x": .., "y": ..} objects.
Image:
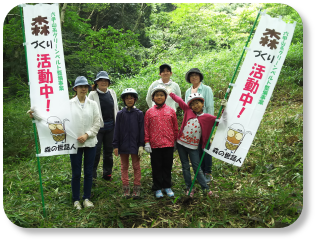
[{"x": 266, "y": 192}]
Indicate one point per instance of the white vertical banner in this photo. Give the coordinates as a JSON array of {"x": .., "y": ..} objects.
[
  {"x": 252, "y": 90},
  {"x": 47, "y": 77}
]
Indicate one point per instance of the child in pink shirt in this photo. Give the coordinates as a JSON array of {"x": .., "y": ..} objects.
[{"x": 160, "y": 135}]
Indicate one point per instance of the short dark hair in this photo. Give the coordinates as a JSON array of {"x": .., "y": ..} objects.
[{"x": 162, "y": 67}]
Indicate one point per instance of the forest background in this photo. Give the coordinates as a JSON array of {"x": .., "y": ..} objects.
[{"x": 130, "y": 41}]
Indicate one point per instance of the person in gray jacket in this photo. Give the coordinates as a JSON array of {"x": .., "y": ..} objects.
[{"x": 106, "y": 100}]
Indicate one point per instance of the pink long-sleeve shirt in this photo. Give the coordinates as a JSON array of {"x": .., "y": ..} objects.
[
  {"x": 160, "y": 126},
  {"x": 206, "y": 120}
]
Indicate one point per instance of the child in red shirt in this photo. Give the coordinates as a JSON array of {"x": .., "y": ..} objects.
[{"x": 160, "y": 135}]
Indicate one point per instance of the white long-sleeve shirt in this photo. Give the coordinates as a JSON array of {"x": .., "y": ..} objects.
[
  {"x": 170, "y": 86},
  {"x": 85, "y": 120}
]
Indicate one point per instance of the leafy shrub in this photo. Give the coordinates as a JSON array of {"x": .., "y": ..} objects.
[{"x": 18, "y": 136}]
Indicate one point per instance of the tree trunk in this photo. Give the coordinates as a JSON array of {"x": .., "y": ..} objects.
[
  {"x": 137, "y": 21},
  {"x": 63, "y": 13},
  {"x": 122, "y": 16},
  {"x": 97, "y": 20}
]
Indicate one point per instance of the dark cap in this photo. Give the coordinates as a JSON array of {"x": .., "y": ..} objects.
[
  {"x": 163, "y": 66},
  {"x": 194, "y": 70}
]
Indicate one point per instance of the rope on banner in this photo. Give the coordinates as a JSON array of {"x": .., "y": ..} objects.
[
  {"x": 34, "y": 127},
  {"x": 220, "y": 110},
  {"x": 247, "y": 48}
]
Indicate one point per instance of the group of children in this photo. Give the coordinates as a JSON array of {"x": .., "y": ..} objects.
[{"x": 158, "y": 133}]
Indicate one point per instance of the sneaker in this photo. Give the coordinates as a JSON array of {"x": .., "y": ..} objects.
[
  {"x": 136, "y": 192},
  {"x": 107, "y": 178},
  {"x": 208, "y": 193},
  {"x": 158, "y": 194},
  {"x": 126, "y": 191},
  {"x": 88, "y": 204},
  {"x": 169, "y": 192},
  {"x": 191, "y": 193},
  {"x": 77, "y": 205},
  {"x": 208, "y": 177}
]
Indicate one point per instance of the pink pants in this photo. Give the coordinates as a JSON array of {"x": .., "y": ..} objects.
[{"x": 125, "y": 168}]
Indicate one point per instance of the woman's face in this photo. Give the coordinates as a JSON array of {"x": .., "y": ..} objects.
[
  {"x": 159, "y": 98},
  {"x": 81, "y": 90},
  {"x": 103, "y": 84},
  {"x": 129, "y": 101},
  {"x": 194, "y": 78}
]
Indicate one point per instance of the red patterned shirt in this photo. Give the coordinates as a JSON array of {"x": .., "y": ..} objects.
[
  {"x": 191, "y": 134},
  {"x": 160, "y": 126}
]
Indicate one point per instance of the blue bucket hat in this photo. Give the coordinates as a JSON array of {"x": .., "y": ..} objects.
[
  {"x": 81, "y": 81},
  {"x": 102, "y": 74}
]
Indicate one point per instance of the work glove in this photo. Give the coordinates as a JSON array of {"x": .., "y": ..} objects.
[
  {"x": 169, "y": 90},
  {"x": 147, "y": 148},
  {"x": 141, "y": 150},
  {"x": 175, "y": 146},
  {"x": 223, "y": 103}
]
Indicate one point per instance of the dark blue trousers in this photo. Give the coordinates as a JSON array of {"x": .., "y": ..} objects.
[
  {"x": 76, "y": 162},
  {"x": 105, "y": 138}
]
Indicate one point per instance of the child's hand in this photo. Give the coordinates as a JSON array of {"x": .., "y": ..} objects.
[
  {"x": 223, "y": 103},
  {"x": 140, "y": 152},
  {"x": 116, "y": 153},
  {"x": 169, "y": 90},
  {"x": 147, "y": 148}
]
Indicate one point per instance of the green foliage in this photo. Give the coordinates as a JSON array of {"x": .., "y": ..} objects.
[
  {"x": 18, "y": 137},
  {"x": 110, "y": 49},
  {"x": 14, "y": 64}
]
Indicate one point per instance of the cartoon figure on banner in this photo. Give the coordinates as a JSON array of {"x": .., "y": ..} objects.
[
  {"x": 57, "y": 128},
  {"x": 235, "y": 137}
]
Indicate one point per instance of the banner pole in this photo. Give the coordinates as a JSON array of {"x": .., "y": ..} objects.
[
  {"x": 220, "y": 110},
  {"x": 34, "y": 127}
]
